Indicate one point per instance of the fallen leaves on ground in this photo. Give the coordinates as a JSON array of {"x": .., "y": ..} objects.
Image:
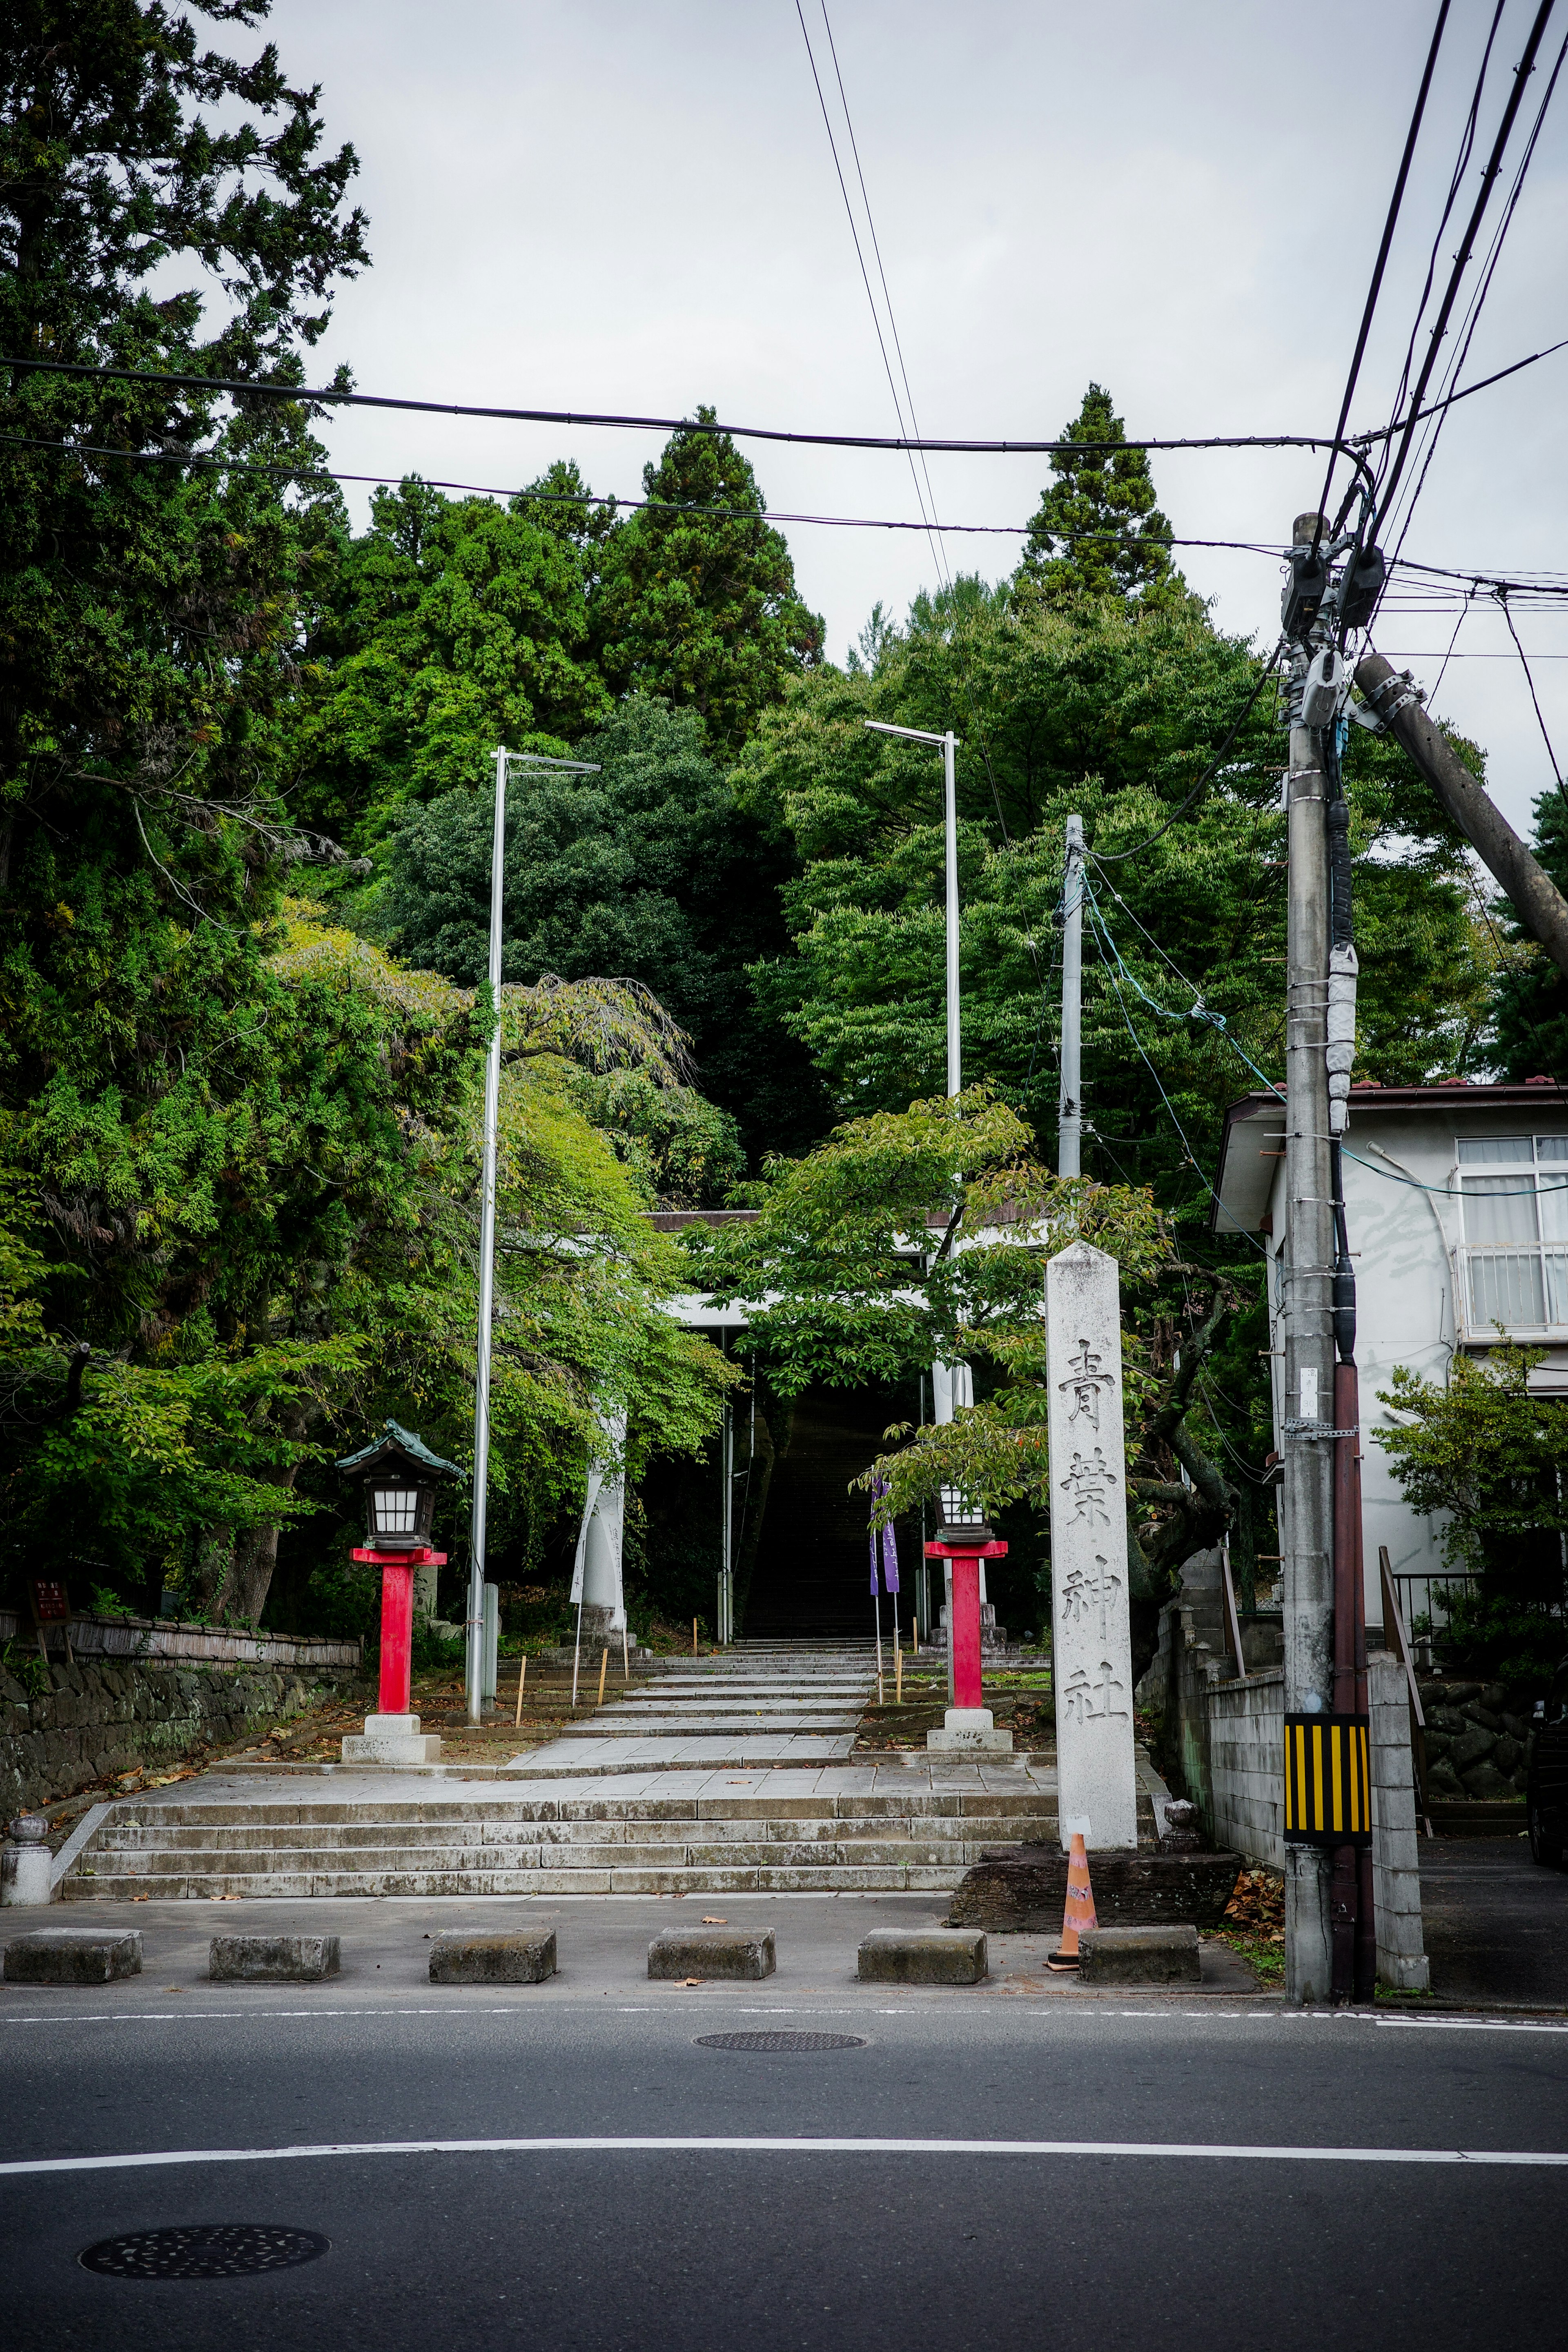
[
  {"x": 708, "y": 1921},
  {"x": 1259, "y": 1906}
]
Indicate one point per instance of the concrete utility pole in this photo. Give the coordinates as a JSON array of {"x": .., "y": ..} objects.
[
  {"x": 1537, "y": 900},
  {"x": 1070, "y": 1100},
  {"x": 1306, "y": 1498}
]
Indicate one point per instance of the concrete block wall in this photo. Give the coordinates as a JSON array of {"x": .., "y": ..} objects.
[
  {"x": 92, "y": 1721},
  {"x": 1247, "y": 1743},
  {"x": 1395, "y": 1853},
  {"x": 1224, "y": 1738}
]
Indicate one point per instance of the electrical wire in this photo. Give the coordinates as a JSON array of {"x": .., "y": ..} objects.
[
  {"x": 1478, "y": 299},
  {"x": 564, "y": 497},
  {"x": 1461, "y": 163},
  {"x": 1389, "y": 486},
  {"x": 930, "y": 502},
  {"x": 1535, "y": 699},
  {"x": 1387, "y": 432},
  {"x": 1381, "y": 262},
  {"x": 860, "y": 257},
  {"x": 332, "y": 398}
]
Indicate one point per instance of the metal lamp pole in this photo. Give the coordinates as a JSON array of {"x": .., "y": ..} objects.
[
  {"x": 949, "y": 743},
  {"x": 475, "y": 1623}
]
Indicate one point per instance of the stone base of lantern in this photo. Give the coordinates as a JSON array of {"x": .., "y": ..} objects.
[
  {"x": 391, "y": 1739},
  {"x": 970, "y": 1731}
]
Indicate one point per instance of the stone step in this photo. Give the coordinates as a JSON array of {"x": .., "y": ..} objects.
[
  {"x": 458, "y": 1838},
  {"x": 154, "y": 1869},
  {"x": 482, "y": 1808},
  {"x": 280, "y": 1885}
]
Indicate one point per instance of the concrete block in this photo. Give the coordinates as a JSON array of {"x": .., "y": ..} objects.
[
  {"x": 732, "y": 1952},
  {"x": 1139, "y": 1956},
  {"x": 272, "y": 1959},
  {"x": 523, "y": 1957},
  {"x": 73, "y": 1956},
  {"x": 391, "y": 1739},
  {"x": 923, "y": 1956},
  {"x": 969, "y": 1731}
]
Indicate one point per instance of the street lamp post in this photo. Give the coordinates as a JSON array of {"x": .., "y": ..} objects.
[
  {"x": 949, "y": 743},
  {"x": 475, "y": 1660}
]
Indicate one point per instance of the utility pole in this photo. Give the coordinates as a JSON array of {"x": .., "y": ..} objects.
[
  {"x": 1306, "y": 1496},
  {"x": 1069, "y": 1101},
  {"x": 475, "y": 1658}
]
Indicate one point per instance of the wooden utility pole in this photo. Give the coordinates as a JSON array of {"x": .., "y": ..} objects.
[{"x": 1306, "y": 1496}]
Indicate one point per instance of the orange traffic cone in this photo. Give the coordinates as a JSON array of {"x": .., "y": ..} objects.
[{"x": 1079, "y": 1911}]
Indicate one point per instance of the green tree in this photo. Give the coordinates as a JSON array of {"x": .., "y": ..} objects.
[
  {"x": 1098, "y": 531},
  {"x": 1087, "y": 707},
  {"x": 450, "y": 626},
  {"x": 1530, "y": 995},
  {"x": 1487, "y": 1452},
  {"x": 649, "y": 870},
  {"x": 697, "y": 601},
  {"x": 919, "y": 1236}
]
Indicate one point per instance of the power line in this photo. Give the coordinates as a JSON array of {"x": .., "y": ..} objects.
[
  {"x": 1467, "y": 243},
  {"x": 563, "y": 498},
  {"x": 1535, "y": 699},
  {"x": 1379, "y": 265},
  {"x": 1461, "y": 163},
  {"x": 1478, "y": 299},
  {"x": 1419, "y": 416},
  {"x": 929, "y": 504},
  {"x": 860, "y": 256},
  {"x": 330, "y": 397}
]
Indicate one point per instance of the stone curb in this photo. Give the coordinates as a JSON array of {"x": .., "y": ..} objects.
[
  {"x": 525, "y": 1958},
  {"x": 731, "y": 1952}
]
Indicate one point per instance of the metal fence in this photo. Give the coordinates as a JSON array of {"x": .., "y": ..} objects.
[{"x": 1422, "y": 1596}]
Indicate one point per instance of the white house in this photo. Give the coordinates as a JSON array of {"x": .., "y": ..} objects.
[{"x": 1457, "y": 1205}]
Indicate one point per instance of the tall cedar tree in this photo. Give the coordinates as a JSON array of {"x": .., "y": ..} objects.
[
  {"x": 1097, "y": 531},
  {"x": 698, "y": 601},
  {"x": 1529, "y": 994}
]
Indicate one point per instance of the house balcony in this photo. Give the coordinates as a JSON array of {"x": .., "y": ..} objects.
[{"x": 1521, "y": 1285}]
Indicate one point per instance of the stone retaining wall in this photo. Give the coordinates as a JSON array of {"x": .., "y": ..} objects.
[
  {"x": 97, "y": 1720},
  {"x": 1476, "y": 1736}
]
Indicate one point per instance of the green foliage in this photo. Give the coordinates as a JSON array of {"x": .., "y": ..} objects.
[
  {"x": 697, "y": 601},
  {"x": 649, "y": 870},
  {"x": 1530, "y": 995},
  {"x": 1085, "y": 708},
  {"x": 451, "y": 627},
  {"x": 1098, "y": 531},
  {"x": 1487, "y": 1452}
]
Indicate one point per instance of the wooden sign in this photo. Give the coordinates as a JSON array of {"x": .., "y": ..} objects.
[{"x": 51, "y": 1605}]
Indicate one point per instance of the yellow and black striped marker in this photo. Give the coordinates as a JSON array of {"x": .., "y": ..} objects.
[{"x": 1328, "y": 1782}]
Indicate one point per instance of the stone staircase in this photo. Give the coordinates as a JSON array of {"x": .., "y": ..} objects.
[
  {"x": 727, "y": 1775},
  {"x": 891, "y": 1829}
]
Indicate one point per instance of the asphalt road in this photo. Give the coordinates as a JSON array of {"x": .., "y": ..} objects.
[
  {"x": 1495, "y": 1923},
  {"x": 1165, "y": 2181}
]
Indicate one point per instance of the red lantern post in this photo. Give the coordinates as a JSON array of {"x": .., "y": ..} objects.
[
  {"x": 965, "y": 1541},
  {"x": 399, "y": 1474}
]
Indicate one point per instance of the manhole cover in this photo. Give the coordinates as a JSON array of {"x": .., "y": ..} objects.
[
  {"x": 780, "y": 2042},
  {"x": 204, "y": 2250}
]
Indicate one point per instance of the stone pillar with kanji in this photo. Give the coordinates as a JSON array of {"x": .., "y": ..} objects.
[{"x": 1091, "y": 1632}]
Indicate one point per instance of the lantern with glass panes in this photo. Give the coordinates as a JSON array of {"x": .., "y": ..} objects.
[{"x": 400, "y": 1476}]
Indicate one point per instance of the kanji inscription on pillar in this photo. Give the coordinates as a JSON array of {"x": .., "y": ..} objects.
[{"x": 1091, "y": 1641}]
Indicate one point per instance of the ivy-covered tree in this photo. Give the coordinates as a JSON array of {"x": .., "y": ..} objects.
[{"x": 1098, "y": 531}]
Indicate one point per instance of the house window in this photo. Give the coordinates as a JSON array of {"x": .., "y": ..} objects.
[{"x": 1514, "y": 1193}]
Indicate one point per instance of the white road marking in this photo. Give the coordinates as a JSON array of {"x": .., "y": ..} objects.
[{"x": 706, "y": 2145}]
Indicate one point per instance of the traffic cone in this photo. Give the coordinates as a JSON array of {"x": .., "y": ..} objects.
[{"x": 1079, "y": 1911}]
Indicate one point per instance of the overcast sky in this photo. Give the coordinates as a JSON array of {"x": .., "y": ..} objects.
[{"x": 634, "y": 207}]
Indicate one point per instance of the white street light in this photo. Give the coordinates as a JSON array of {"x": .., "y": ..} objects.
[
  {"x": 949, "y": 743},
  {"x": 475, "y": 1624}
]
